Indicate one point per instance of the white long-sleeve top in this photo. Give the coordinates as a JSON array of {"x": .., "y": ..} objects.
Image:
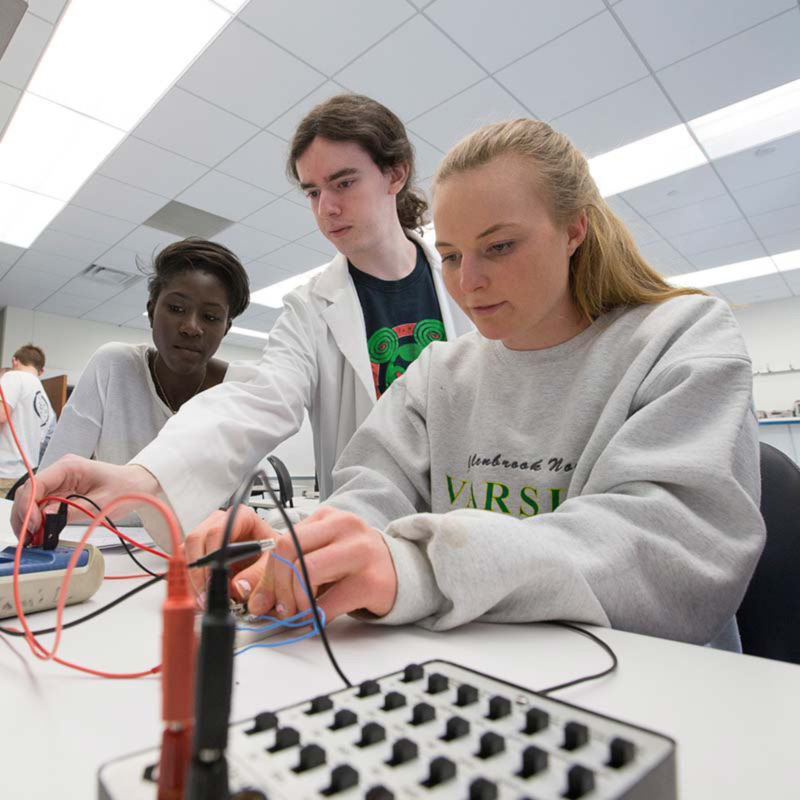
[
  {"x": 114, "y": 411},
  {"x": 612, "y": 479}
]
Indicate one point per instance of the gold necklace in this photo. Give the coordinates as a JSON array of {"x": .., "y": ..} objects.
[{"x": 164, "y": 394}]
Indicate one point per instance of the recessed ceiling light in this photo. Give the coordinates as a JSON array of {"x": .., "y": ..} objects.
[
  {"x": 273, "y": 295},
  {"x": 742, "y": 270},
  {"x": 249, "y": 332}
]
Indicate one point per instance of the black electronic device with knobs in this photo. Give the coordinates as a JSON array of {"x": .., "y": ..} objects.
[{"x": 433, "y": 730}]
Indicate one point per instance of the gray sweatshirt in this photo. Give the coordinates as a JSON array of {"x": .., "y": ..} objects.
[{"x": 612, "y": 479}]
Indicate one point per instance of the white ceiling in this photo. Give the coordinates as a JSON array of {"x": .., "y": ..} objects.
[{"x": 606, "y": 73}]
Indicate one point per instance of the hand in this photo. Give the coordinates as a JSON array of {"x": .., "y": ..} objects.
[
  {"x": 75, "y": 475},
  {"x": 208, "y": 536},
  {"x": 348, "y": 563}
]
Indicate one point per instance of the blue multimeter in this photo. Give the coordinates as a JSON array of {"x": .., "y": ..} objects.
[{"x": 34, "y": 559}]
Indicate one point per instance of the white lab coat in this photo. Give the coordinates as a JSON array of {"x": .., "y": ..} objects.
[{"x": 316, "y": 360}]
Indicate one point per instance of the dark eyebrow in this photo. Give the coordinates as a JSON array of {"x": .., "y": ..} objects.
[
  {"x": 184, "y": 296},
  {"x": 491, "y": 229},
  {"x": 333, "y": 177}
]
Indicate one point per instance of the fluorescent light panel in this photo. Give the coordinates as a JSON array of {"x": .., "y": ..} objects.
[
  {"x": 273, "y": 295},
  {"x": 249, "y": 332},
  {"x": 105, "y": 66},
  {"x": 728, "y": 273},
  {"x": 751, "y": 122}
]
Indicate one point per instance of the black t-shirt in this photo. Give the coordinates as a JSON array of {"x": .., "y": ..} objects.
[{"x": 401, "y": 319}]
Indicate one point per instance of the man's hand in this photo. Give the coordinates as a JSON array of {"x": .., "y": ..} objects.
[
  {"x": 348, "y": 563},
  {"x": 75, "y": 475}
]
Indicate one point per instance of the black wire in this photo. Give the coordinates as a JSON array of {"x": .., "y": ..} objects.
[
  {"x": 91, "y": 615},
  {"x": 317, "y": 621},
  {"x": 597, "y": 640},
  {"x": 127, "y": 547}
]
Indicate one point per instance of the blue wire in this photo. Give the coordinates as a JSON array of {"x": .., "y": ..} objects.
[{"x": 294, "y": 621}]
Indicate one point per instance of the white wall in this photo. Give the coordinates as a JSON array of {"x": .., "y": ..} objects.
[
  {"x": 772, "y": 333},
  {"x": 69, "y": 342}
]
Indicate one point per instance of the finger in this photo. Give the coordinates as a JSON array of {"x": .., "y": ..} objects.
[
  {"x": 249, "y": 578},
  {"x": 341, "y": 598},
  {"x": 282, "y": 578},
  {"x": 203, "y": 539}
]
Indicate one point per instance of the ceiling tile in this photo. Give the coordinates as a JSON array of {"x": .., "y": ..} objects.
[
  {"x": 504, "y": 30},
  {"x": 109, "y": 196},
  {"x": 248, "y": 243},
  {"x": 261, "y": 161},
  {"x": 9, "y": 253},
  {"x": 24, "y": 50},
  {"x": 191, "y": 127},
  {"x": 66, "y": 245},
  {"x": 220, "y": 194},
  {"x": 120, "y": 258},
  {"x": 251, "y": 77},
  {"x": 287, "y": 123},
  {"x": 783, "y": 220},
  {"x": 438, "y": 70},
  {"x": 8, "y": 101},
  {"x": 622, "y": 209},
  {"x": 756, "y": 290},
  {"x": 485, "y": 102},
  {"x": 146, "y": 241},
  {"x": 28, "y": 274},
  {"x": 683, "y": 189},
  {"x": 59, "y": 267},
  {"x": 695, "y": 217},
  {"x": 792, "y": 278},
  {"x": 593, "y": 60},
  {"x": 294, "y": 258},
  {"x": 262, "y": 274},
  {"x": 426, "y": 158},
  {"x": 643, "y": 232},
  {"x": 630, "y": 113},
  {"x": 69, "y": 305},
  {"x": 713, "y": 238},
  {"x": 48, "y": 9},
  {"x": 664, "y": 258},
  {"x": 133, "y": 298},
  {"x": 151, "y": 168},
  {"x": 85, "y": 287},
  {"x": 759, "y": 164},
  {"x": 109, "y": 312},
  {"x": 21, "y": 295},
  {"x": 140, "y": 323},
  {"x": 782, "y": 243},
  {"x": 768, "y": 196},
  {"x": 316, "y": 241},
  {"x": 282, "y": 218},
  {"x": 91, "y": 225},
  {"x": 341, "y": 30},
  {"x": 764, "y": 57},
  {"x": 666, "y": 32},
  {"x": 732, "y": 254}
]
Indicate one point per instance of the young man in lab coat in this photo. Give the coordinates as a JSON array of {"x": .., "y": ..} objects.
[{"x": 339, "y": 343}]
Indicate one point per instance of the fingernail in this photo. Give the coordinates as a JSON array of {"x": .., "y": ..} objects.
[
  {"x": 244, "y": 589},
  {"x": 280, "y": 610},
  {"x": 202, "y": 599},
  {"x": 257, "y": 603}
]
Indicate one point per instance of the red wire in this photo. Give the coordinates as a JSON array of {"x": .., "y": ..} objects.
[{"x": 38, "y": 649}]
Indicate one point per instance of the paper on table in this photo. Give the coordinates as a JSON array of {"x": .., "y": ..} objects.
[{"x": 6, "y": 533}]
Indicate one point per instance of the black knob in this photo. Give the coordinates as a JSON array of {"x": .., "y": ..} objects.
[
  {"x": 264, "y": 721},
  {"x": 318, "y": 704},
  {"x": 312, "y": 755},
  {"x": 284, "y": 739},
  {"x": 575, "y": 735},
  {"x": 621, "y": 752},
  {"x": 422, "y": 713},
  {"x": 534, "y": 760},
  {"x": 413, "y": 672},
  {"x": 481, "y": 789},
  {"x": 343, "y": 718},
  {"x": 403, "y": 750},
  {"x": 456, "y": 728},
  {"x": 393, "y": 700},
  {"x": 368, "y": 688},
  {"x": 466, "y": 695},
  {"x": 379, "y": 793},
  {"x": 491, "y": 744},
  {"x": 441, "y": 770},
  {"x": 371, "y": 733},
  {"x": 535, "y": 720},
  {"x": 437, "y": 683},
  {"x": 342, "y": 777},
  {"x": 580, "y": 781},
  {"x": 499, "y": 707}
]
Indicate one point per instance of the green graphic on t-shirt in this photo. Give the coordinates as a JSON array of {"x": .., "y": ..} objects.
[{"x": 393, "y": 349}]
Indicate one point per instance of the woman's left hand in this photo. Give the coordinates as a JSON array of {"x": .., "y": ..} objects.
[{"x": 348, "y": 563}]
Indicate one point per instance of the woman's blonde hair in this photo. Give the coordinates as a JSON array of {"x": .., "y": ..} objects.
[{"x": 607, "y": 270}]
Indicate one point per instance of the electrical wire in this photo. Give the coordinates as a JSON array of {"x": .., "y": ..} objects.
[
  {"x": 594, "y": 676},
  {"x": 314, "y": 608}
]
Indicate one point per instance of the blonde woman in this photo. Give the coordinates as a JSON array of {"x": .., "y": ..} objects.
[{"x": 590, "y": 453}]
